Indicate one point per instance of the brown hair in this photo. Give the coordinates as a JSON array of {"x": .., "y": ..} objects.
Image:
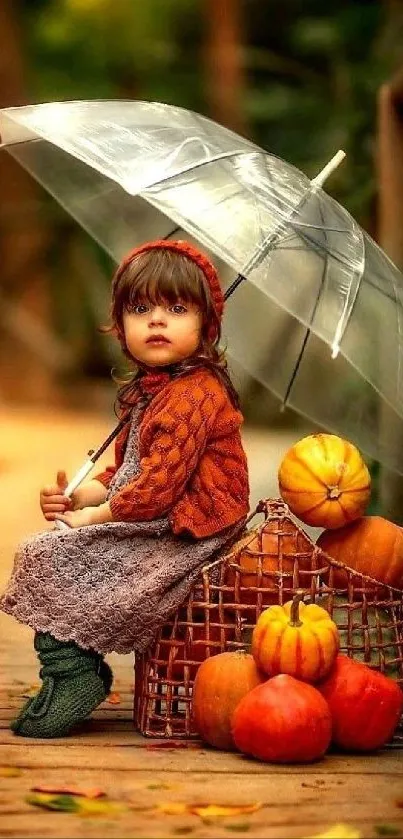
[{"x": 165, "y": 276}]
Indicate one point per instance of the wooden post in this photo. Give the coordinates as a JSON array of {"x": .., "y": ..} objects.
[
  {"x": 390, "y": 237},
  {"x": 22, "y": 235},
  {"x": 225, "y": 79}
]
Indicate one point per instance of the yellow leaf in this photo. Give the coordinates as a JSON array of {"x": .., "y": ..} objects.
[
  {"x": 173, "y": 808},
  {"x": 30, "y": 691},
  {"x": 209, "y": 811},
  {"x": 99, "y": 807},
  {"x": 10, "y": 771},
  {"x": 338, "y": 831}
]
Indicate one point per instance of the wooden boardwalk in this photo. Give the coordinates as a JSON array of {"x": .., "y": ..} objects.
[{"x": 153, "y": 791}]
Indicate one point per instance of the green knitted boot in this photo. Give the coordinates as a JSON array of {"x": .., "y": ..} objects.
[{"x": 75, "y": 682}]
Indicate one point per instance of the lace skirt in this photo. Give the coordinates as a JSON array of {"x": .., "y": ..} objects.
[{"x": 110, "y": 586}]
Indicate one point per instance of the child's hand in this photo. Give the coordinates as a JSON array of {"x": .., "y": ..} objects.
[
  {"x": 79, "y": 518},
  {"x": 88, "y": 515},
  {"x": 52, "y": 500}
]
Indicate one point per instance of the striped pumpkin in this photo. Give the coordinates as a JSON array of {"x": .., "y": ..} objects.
[
  {"x": 325, "y": 481},
  {"x": 297, "y": 639}
]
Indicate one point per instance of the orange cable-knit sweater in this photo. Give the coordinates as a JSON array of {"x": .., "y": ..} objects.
[{"x": 192, "y": 464}]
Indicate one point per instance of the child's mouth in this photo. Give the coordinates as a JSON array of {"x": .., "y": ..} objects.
[{"x": 158, "y": 340}]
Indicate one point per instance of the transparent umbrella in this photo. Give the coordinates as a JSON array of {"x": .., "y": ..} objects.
[{"x": 316, "y": 315}]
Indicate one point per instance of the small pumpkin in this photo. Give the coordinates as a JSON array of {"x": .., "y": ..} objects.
[
  {"x": 365, "y": 705},
  {"x": 264, "y": 559},
  {"x": 221, "y": 682},
  {"x": 298, "y": 639},
  {"x": 283, "y": 721},
  {"x": 325, "y": 481},
  {"x": 372, "y": 546}
]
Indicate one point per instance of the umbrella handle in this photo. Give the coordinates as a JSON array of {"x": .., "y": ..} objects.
[
  {"x": 74, "y": 483},
  {"x": 88, "y": 465}
]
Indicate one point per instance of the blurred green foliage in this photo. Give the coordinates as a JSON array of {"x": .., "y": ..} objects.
[{"x": 312, "y": 69}]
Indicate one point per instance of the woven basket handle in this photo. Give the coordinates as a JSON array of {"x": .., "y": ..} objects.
[{"x": 272, "y": 508}]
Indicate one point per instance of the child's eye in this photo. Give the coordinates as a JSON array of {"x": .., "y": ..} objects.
[
  {"x": 140, "y": 308},
  {"x": 178, "y": 309}
]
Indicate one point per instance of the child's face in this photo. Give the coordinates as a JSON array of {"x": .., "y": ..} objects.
[{"x": 157, "y": 335}]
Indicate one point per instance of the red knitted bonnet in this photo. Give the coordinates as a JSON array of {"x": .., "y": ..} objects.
[{"x": 186, "y": 249}]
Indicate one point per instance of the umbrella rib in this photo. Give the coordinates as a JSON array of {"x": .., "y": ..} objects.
[
  {"x": 172, "y": 232},
  {"x": 307, "y": 333},
  {"x": 192, "y": 168}
]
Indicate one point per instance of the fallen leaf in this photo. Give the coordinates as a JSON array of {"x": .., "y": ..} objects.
[
  {"x": 62, "y": 803},
  {"x": 75, "y": 804},
  {"x": 89, "y": 792},
  {"x": 339, "y": 831},
  {"x": 387, "y": 830},
  {"x": 30, "y": 691},
  {"x": 207, "y": 811},
  {"x": 10, "y": 771},
  {"x": 114, "y": 699},
  {"x": 173, "y": 808}
]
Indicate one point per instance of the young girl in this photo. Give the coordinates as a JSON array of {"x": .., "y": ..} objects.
[{"x": 139, "y": 532}]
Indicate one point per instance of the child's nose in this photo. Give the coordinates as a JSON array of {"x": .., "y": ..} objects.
[{"x": 158, "y": 315}]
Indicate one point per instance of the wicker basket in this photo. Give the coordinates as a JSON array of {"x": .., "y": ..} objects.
[{"x": 272, "y": 562}]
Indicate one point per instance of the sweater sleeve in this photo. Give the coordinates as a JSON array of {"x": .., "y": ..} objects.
[
  {"x": 176, "y": 436},
  {"x": 106, "y": 476}
]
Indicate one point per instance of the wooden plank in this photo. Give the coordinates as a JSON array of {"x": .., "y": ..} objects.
[
  {"x": 138, "y": 754},
  {"x": 283, "y": 797},
  {"x": 286, "y": 820}
]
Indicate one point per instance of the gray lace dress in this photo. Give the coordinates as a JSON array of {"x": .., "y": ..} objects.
[{"x": 110, "y": 586}]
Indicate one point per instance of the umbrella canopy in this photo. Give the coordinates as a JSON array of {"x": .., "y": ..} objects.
[{"x": 318, "y": 320}]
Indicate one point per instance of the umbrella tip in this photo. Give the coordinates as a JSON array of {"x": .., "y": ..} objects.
[{"x": 338, "y": 158}]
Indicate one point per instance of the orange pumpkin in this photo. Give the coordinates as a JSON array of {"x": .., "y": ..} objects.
[
  {"x": 297, "y": 639},
  {"x": 325, "y": 481},
  {"x": 372, "y": 546},
  {"x": 267, "y": 558},
  {"x": 221, "y": 682}
]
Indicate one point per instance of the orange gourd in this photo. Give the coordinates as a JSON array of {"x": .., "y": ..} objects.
[
  {"x": 265, "y": 558},
  {"x": 297, "y": 639},
  {"x": 283, "y": 721},
  {"x": 372, "y": 546},
  {"x": 221, "y": 682},
  {"x": 325, "y": 481}
]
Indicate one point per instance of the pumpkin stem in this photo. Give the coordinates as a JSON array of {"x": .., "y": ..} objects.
[{"x": 294, "y": 613}]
